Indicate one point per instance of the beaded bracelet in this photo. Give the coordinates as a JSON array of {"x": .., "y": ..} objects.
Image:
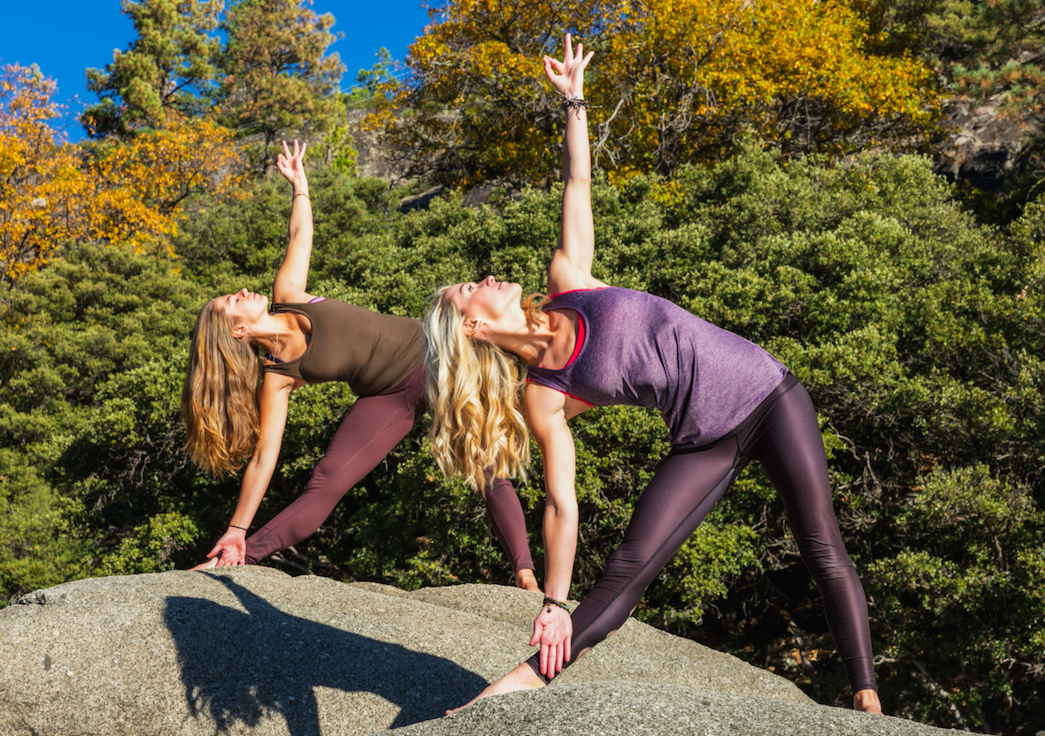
[
  {"x": 549, "y": 601},
  {"x": 569, "y": 103}
]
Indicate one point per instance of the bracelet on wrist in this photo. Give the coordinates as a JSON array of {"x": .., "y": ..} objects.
[
  {"x": 302, "y": 194},
  {"x": 244, "y": 528},
  {"x": 549, "y": 601},
  {"x": 574, "y": 103}
]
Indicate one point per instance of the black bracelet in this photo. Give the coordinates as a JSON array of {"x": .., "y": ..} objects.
[
  {"x": 549, "y": 601},
  {"x": 569, "y": 103},
  {"x": 244, "y": 528}
]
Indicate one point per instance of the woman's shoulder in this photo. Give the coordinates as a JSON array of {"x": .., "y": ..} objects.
[
  {"x": 291, "y": 303},
  {"x": 331, "y": 311}
]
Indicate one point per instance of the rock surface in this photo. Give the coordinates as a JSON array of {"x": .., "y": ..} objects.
[
  {"x": 983, "y": 143},
  {"x": 252, "y": 650}
]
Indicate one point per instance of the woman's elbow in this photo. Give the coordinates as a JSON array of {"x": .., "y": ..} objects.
[{"x": 563, "y": 510}]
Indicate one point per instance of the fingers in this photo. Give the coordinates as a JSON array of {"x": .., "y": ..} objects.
[
  {"x": 286, "y": 151},
  {"x": 554, "y": 655},
  {"x": 552, "y": 68},
  {"x": 569, "y": 48},
  {"x": 556, "y": 659},
  {"x": 304, "y": 145}
]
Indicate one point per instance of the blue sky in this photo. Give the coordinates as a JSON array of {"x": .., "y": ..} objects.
[{"x": 64, "y": 37}]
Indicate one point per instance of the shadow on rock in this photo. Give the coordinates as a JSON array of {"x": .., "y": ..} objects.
[{"x": 242, "y": 666}]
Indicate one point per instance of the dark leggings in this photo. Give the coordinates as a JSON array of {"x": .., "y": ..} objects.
[
  {"x": 783, "y": 435},
  {"x": 369, "y": 431}
]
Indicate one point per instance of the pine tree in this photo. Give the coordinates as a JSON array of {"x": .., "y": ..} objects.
[
  {"x": 278, "y": 78},
  {"x": 170, "y": 66}
]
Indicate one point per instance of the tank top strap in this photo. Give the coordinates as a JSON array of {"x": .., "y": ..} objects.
[{"x": 290, "y": 367}]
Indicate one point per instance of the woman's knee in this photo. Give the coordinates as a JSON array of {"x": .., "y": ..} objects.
[{"x": 827, "y": 561}]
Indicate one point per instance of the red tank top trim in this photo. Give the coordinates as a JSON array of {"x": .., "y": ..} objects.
[
  {"x": 580, "y": 339},
  {"x": 576, "y": 349},
  {"x": 571, "y": 291},
  {"x": 567, "y": 393}
]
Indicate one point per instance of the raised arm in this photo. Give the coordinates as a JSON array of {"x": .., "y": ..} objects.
[
  {"x": 547, "y": 411},
  {"x": 570, "y": 267},
  {"x": 292, "y": 277}
]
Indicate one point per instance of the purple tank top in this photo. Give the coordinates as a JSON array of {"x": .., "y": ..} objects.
[{"x": 642, "y": 350}]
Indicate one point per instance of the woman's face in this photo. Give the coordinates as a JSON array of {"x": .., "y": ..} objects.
[
  {"x": 243, "y": 308},
  {"x": 486, "y": 301}
]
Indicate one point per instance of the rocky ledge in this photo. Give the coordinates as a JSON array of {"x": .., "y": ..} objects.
[{"x": 252, "y": 650}]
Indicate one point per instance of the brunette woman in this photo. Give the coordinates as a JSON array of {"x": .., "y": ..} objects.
[
  {"x": 308, "y": 339},
  {"x": 725, "y": 400}
]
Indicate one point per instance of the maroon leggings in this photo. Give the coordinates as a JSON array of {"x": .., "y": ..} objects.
[
  {"x": 783, "y": 435},
  {"x": 369, "y": 431}
]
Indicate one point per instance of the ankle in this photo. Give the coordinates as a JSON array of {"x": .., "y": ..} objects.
[{"x": 524, "y": 676}]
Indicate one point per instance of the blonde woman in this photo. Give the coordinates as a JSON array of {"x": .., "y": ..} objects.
[
  {"x": 725, "y": 400},
  {"x": 308, "y": 339}
]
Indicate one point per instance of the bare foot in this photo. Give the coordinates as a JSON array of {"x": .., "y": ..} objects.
[
  {"x": 867, "y": 701},
  {"x": 521, "y": 678},
  {"x": 212, "y": 562},
  {"x": 525, "y": 579}
]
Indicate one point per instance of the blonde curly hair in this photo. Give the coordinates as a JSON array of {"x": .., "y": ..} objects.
[{"x": 475, "y": 395}]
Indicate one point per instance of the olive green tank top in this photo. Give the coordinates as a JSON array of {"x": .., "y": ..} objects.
[{"x": 371, "y": 352}]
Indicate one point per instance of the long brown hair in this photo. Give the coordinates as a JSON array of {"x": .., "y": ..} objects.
[{"x": 219, "y": 399}]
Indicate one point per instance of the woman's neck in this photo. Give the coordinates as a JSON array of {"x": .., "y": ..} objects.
[
  {"x": 275, "y": 333},
  {"x": 549, "y": 344}
]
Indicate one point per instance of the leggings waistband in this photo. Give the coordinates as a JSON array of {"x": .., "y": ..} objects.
[{"x": 786, "y": 384}]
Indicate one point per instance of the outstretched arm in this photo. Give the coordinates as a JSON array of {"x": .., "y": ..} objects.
[
  {"x": 292, "y": 277},
  {"x": 570, "y": 267},
  {"x": 547, "y": 411},
  {"x": 273, "y": 399}
]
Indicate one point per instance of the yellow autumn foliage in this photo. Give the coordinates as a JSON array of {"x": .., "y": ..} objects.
[
  {"x": 675, "y": 81},
  {"x": 128, "y": 192}
]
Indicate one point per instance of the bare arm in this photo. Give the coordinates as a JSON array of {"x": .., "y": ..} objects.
[
  {"x": 292, "y": 277},
  {"x": 570, "y": 267},
  {"x": 547, "y": 411},
  {"x": 273, "y": 399}
]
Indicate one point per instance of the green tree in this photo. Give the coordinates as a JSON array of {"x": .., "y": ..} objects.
[
  {"x": 278, "y": 78},
  {"x": 369, "y": 81},
  {"x": 91, "y": 349},
  {"x": 985, "y": 54},
  {"x": 917, "y": 332},
  {"x": 963, "y": 600},
  {"x": 170, "y": 66}
]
